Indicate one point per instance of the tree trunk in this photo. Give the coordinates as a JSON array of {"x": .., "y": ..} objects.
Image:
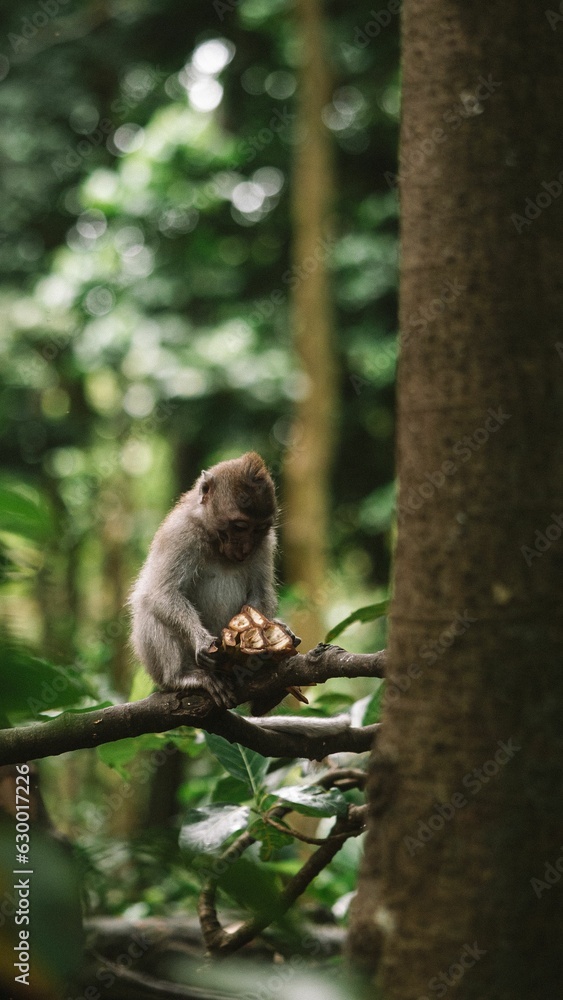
[
  {"x": 466, "y": 790},
  {"x": 307, "y": 465}
]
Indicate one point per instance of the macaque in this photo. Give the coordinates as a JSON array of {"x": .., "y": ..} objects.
[{"x": 212, "y": 554}]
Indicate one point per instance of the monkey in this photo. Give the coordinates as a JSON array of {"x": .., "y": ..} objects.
[{"x": 212, "y": 554}]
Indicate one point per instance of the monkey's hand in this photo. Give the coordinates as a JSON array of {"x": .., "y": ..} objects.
[
  {"x": 216, "y": 682},
  {"x": 206, "y": 654},
  {"x": 218, "y": 685}
]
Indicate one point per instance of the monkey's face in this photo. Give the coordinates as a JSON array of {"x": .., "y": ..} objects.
[{"x": 240, "y": 537}]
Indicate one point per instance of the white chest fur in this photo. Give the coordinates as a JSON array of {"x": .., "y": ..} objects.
[{"x": 219, "y": 592}]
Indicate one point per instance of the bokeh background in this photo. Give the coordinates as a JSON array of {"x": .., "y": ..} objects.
[{"x": 150, "y": 282}]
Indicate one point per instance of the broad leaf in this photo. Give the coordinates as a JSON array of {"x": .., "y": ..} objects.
[
  {"x": 368, "y": 614},
  {"x": 24, "y": 512},
  {"x": 31, "y": 686},
  {"x": 122, "y": 752},
  {"x": 271, "y": 839},
  {"x": 373, "y": 711},
  {"x": 229, "y": 789},
  {"x": 206, "y": 829},
  {"x": 252, "y": 884},
  {"x": 244, "y": 764},
  {"x": 313, "y": 801}
]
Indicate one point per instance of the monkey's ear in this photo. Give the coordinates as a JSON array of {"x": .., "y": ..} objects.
[{"x": 206, "y": 488}]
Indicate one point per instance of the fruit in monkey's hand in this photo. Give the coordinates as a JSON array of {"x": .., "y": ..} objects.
[{"x": 250, "y": 633}]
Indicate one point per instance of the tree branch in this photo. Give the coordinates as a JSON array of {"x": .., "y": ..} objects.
[
  {"x": 258, "y": 678},
  {"x": 220, "y": 941},
  {"x": 163, "y": 711}
]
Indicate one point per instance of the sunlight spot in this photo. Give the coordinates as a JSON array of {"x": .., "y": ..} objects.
[
  {"x": 212, "y": 56},
  {"x": 126, "y": 139},
  {"x": 99, "y": 301},
  {"x": 91, "y": 224},
  {"x": 136, "y": 457},
  {"x": 248, "y": 197},
  {"x": 270, "y": 179},
  {"x": 205, "y": 93},
  {"x": 139, "y": 400}
]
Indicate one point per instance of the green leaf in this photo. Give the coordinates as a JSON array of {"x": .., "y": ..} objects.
[
  {"x": 373, "y": 711},
  {"x": 117, "y": 755},
  {"x": 376, "y": 511},
  {"x": 367, "y": 614},
  {"x": 331, "y": 703},
  {"x": 244, "y": 764},
  {"x": 205, "y": 830},
  {"x": 185, "y": 740},
  {"x": 312, "y": 800},
  {"x": 24, "y": 512},
  {"x": 31, "y": 686},
  {"x": 229, "y": 789},
  {"x": 87, "y": 708},
  {"x": 252, "y": 884},
  {"x": 270, "y": 838}
]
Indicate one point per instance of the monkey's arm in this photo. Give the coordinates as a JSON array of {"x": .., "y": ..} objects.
[
  {"x": 178, "y": 614},
  {"x": 172, "y": 642}
]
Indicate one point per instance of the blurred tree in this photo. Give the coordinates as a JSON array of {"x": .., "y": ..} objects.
[
  {"x": 466, "y": 782},
  {"x": 308, "y": 459}
]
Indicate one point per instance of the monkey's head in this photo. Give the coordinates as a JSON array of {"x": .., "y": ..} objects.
[{"x": 238, "y": 503}]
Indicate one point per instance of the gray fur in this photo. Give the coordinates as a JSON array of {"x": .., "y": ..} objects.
[{"x": 187, "y": 592}]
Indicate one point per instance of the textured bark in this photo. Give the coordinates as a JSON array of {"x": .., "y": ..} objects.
[
  {"x": 307, "y": 466},
  {"x": 467, "y": 532}
]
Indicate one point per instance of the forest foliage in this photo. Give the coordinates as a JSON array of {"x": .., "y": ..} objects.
[{"x": 145, "y": 252}]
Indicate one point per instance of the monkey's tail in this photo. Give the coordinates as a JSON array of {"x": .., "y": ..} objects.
[{"x": 306, "y": 726}]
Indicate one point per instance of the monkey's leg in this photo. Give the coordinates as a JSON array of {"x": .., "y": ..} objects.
[
  {"x": 173, "y": 666},
  {"x": 218, "y": 685}
]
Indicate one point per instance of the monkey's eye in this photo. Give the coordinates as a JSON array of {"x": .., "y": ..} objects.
[{"x": 239, "y": 525}]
